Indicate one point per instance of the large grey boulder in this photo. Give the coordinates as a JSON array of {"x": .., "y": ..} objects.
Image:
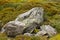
[
  {"x": 24, "y": 23},
  {"x": 34, "y": 13},
  {"x": 31, "y": 18}
]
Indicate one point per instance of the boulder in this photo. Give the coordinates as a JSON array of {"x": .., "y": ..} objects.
[
  {"x": 25, "y": 22},
  {"x": 32, "y": 18},
  {"x": 34, "y": 13}
]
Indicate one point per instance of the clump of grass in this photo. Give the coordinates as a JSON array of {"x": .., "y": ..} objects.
[
  {"x": 22, "y": 37},
  {"x": 3, "y": 36},
  {"x": 57, "y": 37}
]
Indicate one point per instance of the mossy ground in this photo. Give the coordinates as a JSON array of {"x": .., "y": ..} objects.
[
  {"x": 9, "y": 10},
  {"x": 57, "y": 37}
]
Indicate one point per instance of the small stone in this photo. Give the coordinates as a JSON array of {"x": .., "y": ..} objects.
[
  {"x": 49, "y": 29},
  {"x": 27, "y": 34}
]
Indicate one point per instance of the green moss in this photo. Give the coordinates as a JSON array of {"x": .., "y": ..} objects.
[
  {"x": 3, "y": 36},
  {"x": 22, "y": 37},
  {"x": 57, "y": 37}
]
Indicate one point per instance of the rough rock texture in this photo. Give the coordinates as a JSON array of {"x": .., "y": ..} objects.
[
  {"x": 13, "y": 28},
  {"x": 31, "y": 18},
  {"x": 28, "y": 34},
  {"x": 49, "y": 30},
  {"x": 41, "y": 33},
  {"x": 25, "y": 22},
  {"x": 46, "y": 30}
]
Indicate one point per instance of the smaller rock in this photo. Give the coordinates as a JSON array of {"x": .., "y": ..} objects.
[
  {"x": 41, "y": 33},
  {"x": 28, "y": 34},
  {"x": 49, "y": 29}
]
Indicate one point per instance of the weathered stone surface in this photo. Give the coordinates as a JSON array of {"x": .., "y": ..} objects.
[
  {"x": 49, "y": 30},
  {"x": 13, "y": 28},
  {"x": 41, "y": 33},
  {"x": 33, "y": 14},
  {"x": 31, "y": 18},
  {"x": 25, "y": 22},
  {"x": 28, "y": 34}
]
